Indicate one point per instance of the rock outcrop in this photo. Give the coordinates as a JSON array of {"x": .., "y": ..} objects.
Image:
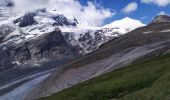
[{"x": 161, "y": 19}]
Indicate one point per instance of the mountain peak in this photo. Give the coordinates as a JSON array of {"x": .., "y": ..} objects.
[
  {"x": 161, "y": 18},
  {"x": 45, "y": 16},
  {"x": 127, "y": 18},
  {"x": 126, "y": 22},
  {"x": 6, "y": 3}
]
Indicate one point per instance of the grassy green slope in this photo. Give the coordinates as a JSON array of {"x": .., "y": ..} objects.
[{"x": 147, "y": 80}]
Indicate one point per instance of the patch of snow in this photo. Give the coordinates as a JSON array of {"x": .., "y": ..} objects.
[
  {"x": 115, "y": 32},
  {"x": 9, "y": 18},
  {"x": 147, "y": 32},
  {"x": 44, "y": 20},
  {"x": 165, "y": 31},
  {"x": 4, "y": 48},
  {"x": 16, "y": 62},
  {"x": 74, "y": 30}
]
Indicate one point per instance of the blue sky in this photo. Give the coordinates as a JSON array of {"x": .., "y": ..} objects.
[
  {"x": 100, "y": 12},
  {"x": 145, "y": 11}
]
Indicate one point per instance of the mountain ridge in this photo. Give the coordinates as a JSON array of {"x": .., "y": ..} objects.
[
  {"x": 116, "y": 54},
  {"x": 126, "y": 22}
]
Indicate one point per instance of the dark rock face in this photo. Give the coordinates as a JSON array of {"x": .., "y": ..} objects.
[
  {"x": 61, "y": 21},
  {"x": 5, "y": 30},
  {"x": 161, "y": 18},
  {"x": 26, "y": 20},
  {"x": 21, "y": 53},
  {"x": 7, "y": 3},
  {"x": 10, "y": 4},
  {"x": 85, "y": 37},
  {"x": 5, "y": 61},
  {"x": 50, "y": 46}
]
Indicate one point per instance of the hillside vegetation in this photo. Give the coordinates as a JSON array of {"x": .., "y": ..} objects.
[{"x": 146, "y": 80}]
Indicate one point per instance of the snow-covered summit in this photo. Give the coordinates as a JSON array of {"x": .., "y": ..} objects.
[
  {"x": 25, "y": 26},
  {"x": 45, "y": 16},
  {"x": 127, "y": 23},
  {"x": 6, "y": 3}
]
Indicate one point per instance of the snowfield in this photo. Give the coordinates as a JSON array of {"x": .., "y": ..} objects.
[{"x": 48, "y": 20}]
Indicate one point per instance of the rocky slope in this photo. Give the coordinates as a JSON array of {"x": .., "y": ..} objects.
[
  {"x": 161, "y": 18},
  {"x": 33, "y": 44},
  {"x": 21, "y": 33},
  {"x": 145, "y": 42},
  {"x": 142, "y": 78}
]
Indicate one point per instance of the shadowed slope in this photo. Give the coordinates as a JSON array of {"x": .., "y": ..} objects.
[{"x": 140, "y": 81}]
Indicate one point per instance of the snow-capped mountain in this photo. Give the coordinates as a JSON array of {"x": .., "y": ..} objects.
[
  {"x": 125, "y": 23},
  {"x": 19, "y": 31},
  {"x": 43, "y": 40},
  {"x": 27, "y": 26}
]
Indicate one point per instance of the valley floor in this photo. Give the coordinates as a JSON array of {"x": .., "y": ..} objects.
[{"x": 146, "y": 80}]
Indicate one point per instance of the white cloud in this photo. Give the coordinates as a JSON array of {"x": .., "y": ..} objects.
[
  {"x": 161, "y": 3},
  {"x": 162, "y": 13},
  {"x": 131, "y": 7},
  {"x": 89, "y": 12}
]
